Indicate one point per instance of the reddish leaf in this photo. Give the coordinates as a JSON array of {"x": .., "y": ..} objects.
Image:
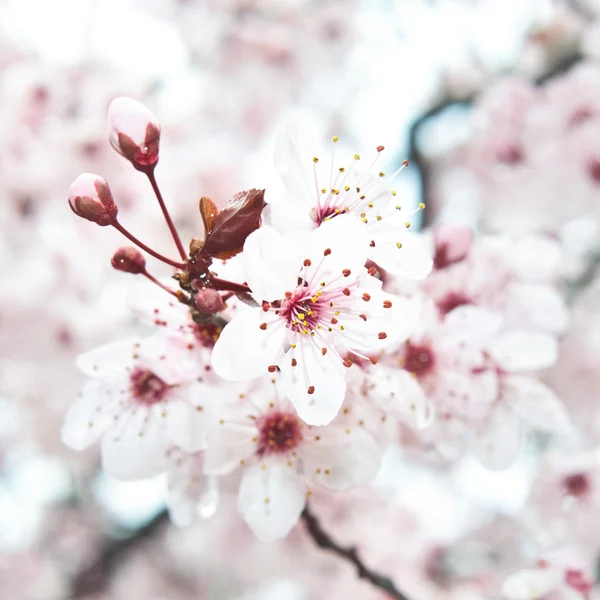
[{"x": 234, "y": 224}]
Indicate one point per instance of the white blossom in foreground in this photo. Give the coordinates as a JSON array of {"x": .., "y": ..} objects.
[
  {"x": 144, "y": 396},
  {"x": 320, "y": 190},
  {"x": 318, "y": 305},
  {"x": 281, "y": 457}
]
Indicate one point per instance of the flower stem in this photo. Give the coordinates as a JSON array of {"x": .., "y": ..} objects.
[
  {"x": 176, "y": 238},
  {"x": 324, "y": 540},
  {"x": 145, "y": 248},
  {"x": 183, "y": 298}
]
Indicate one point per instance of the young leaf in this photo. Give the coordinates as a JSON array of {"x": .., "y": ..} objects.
[{"x": 231, "y": 227}]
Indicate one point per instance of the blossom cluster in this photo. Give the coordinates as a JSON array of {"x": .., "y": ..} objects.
[{"x": 305, "y": 333}]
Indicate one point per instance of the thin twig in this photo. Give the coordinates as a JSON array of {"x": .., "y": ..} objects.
[
  {"x": 324, "y": 540},
  {"x": 145, "y": 248},
  {"x": 95, "y": 577},
  {"x": 151, "y": 177}
]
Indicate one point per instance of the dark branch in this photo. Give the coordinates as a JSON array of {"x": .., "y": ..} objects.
[
  {"x": 95, "y": 577},
  {"x": 323, "y": 540}
]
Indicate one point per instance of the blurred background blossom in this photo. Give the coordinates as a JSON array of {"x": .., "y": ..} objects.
[{"x": 496, "y": 103}]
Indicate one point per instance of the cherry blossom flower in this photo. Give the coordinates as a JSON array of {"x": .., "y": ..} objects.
[
  {"x": 318, "y": 304},
  {"x": 144, "y": 396},
  {"x": 477, "y": 379},
  {"x": 518, "y": 278},
  {"x": 318, "y": 192},
  {"x": 282, "y": 457}
]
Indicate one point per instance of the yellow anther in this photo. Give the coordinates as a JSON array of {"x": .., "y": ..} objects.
[
  {"x": 407, "y": 224},
  {"x": 301, "y": 316},
  {"x": 370, "y": 205},
  {"x": 365, "y": 220},
  {"x": 356, "y": 157},
  {"x": 341, "y": 328},
  {"x": 421, "y": 205},
  {"x": 381, "y": 174},
  {"x": 379, "y": 217},
  {"x": 335, "y": 139},
  {"x": 347, "y": 188},
  {"x": 398, "y": 245},
  {"x": 363, "y": 215},
  {"x": 323, "y": 190},
  {"x": 315, "y": 159},
  {"x": 342, "y": 169},
  {"x": 337, "y": 312},
  {"x": 335, "y": 192}
]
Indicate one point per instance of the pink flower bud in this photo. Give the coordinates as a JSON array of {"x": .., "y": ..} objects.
[
  {"x": 134, "y": 132},
  {"x": 91, "y": 198},
  {"x": 209, "y": 301},
  {"x": 129, "y": 260}
]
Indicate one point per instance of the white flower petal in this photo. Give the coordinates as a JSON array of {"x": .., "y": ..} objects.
[
  {"x": 295, "y": 148},
  {"x": 230, "y": 444},
  {"x": 468, "y": 324},
  {"x": 271, "y": 264},
  {"x": 243, "y": 350},
  {"x": 108, "y": 360},
  {"x": 411, "y": 260},
  {"x": 339, "y": 457},
  {"x": 345, "y": 237},
  {"x": 400, "y": 395},
  {"x": 498, "y": 446},
  {"x": 153, "y": 305},
  {"x": 536, "y": 403},
  {"x": 271, "y": 498},
  {"x": 188, "y": 425},
  {"x": 88, "y": 417},
  {"x": 534, "y": 258},
  {"x": 521, "y": 350},
  {"x": 190, "y": 493},
  {"x": 537, "y": 306},
  {"x": 137, "y": 447},
  {"x": 316, "y": 386},
  {"x": 531, "y": 583}
]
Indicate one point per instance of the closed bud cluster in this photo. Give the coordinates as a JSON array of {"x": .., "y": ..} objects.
[
  {"x": 134, "y": 132},
  {"x": 129, "y": 260},
  {"x": 90, "y": 197}
]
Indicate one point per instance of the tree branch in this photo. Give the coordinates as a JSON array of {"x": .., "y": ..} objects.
[
  {"x": 323, "y": 540},
  {"x": 95, "y": 577}
]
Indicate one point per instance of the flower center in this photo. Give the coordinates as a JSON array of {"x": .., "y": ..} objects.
[
  {"x": 576, "y": 485},
  {"x": 418, "y": 359},
  {"x": 451, "y": 301},
  {"x": 146, "y": 387},
  {"x": 306, "y": 309},
  {"x": 207, "y": 334},
  {"x": 326, "y": 212},
  {"x": 278, "y": 432},
  {"x": 593, "y": 169}
]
